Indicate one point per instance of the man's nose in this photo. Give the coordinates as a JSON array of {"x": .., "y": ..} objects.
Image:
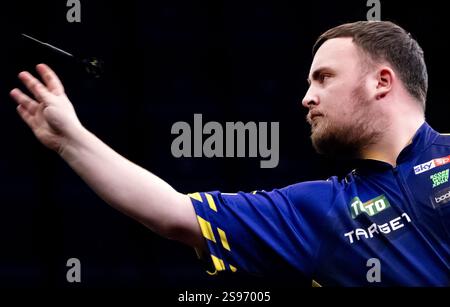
[{"x": 310, "y": 99}]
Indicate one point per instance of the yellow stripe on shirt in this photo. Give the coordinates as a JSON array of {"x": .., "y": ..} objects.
[
  {"x": 206, "y": 228},
  {"x": 211, "y": 202},
  {"x": 196, "y": 196},
  {"x": 218, "y": 263},
  {"x": 223, "y": 239}
]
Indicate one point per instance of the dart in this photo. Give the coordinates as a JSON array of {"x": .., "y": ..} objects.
[{"x": 93, "y": 66}]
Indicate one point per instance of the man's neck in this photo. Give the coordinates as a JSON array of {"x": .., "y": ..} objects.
[{"x": 394, "y": 140}]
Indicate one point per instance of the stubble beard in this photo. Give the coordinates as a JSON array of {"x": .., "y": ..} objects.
[{"x": 348, "y": 139}]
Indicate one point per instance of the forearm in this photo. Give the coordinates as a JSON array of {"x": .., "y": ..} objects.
[
  {"x": 125, "y": 185},
  {"x": 121, "y": 183}
]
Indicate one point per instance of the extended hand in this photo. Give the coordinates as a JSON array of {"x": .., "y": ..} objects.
[{"x": 50, "y": 114}]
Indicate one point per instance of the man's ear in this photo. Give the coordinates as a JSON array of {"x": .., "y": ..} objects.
[{"x": 385, "y": 79}]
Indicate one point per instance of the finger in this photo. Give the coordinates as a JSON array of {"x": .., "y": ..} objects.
[
  {"x": 50, "y": 78},
  {"x": 25, "y": 115},
  {"x": 24, "y": 100},
  {"x": 33, "y": 85}
]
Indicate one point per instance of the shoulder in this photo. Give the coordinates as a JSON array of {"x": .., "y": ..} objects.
[
  {"x": 318, "y": 191},
  {"x": 443, "y": 139}
]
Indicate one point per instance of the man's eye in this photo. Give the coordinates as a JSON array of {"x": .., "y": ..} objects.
[{"x": 323, "y": 77}]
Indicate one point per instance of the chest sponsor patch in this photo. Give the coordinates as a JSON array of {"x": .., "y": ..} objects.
[
  {"x": 424, "y": 167},
  {"x": 441, "y": 197},
  {"x": 371, "y": 207},
  {"x": 439, "y": 178}
]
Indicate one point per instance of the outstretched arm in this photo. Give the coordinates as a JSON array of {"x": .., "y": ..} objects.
[{"x": 121, "y": 183}]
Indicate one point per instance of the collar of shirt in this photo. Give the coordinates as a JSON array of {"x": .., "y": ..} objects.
[{"x": 422, "y": 139}]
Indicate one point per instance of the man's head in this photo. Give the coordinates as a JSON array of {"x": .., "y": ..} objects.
[{"x": 360, "y": 72}]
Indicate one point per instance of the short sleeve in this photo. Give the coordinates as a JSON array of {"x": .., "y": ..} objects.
[{"x": 264, "y": 233}]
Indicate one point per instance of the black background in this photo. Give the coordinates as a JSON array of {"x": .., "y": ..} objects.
[{"x": 164, "y": 61}]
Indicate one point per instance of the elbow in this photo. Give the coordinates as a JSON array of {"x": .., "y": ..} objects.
[
  {"x": 175, "y": 231},
  {"x": 184, "y": 234}
]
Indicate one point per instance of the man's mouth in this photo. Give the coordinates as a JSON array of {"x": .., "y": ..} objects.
[{"x": 312, "y": 116}]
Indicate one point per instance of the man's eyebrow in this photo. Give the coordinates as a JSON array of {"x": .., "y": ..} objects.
[{"x": 316, "y": 73}]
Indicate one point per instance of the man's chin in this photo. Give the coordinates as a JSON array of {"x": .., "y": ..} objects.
[{"x": 330, "y": 146}]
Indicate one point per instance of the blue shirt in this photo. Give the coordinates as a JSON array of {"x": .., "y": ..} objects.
[{"x": 380, "y": 225}]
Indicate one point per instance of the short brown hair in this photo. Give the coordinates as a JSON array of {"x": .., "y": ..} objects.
[{"x": 386, "y": 41}]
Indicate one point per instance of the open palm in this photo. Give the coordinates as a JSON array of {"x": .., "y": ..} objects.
[{"x": 50, "y": 114}]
